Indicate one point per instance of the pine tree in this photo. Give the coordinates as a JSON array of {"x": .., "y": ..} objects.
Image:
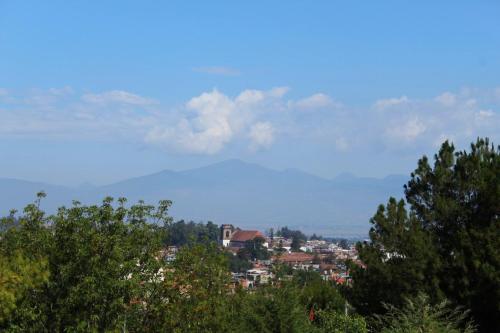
[{"x": 447, "y": 245}]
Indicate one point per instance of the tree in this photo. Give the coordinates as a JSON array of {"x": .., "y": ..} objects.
[
  {"x": 100, "y": 268},
  {"x": 96, "y": 258},
  {"x": 447, "y": 245},
  {"x": 315, "y": 237},
  {"x": 197, "y": 289},
  {"x": 344, "y": 244},
  {"x": 295, "y": 246},
  {"x": 458, "y": 202},
  {"x": 398, "y": 262},
  {"x": 338, "y": 322},
  {"x": 272, "y": 309},
  {"x": 237, "y": 263},
  {"x": 419, "y": 315},
  {"x": 254, "y": 250},
  {"x": 288, "y": 234},
  {"x": 316, "y": 293},
  {"x": 18, "y": 277},
  {"x": 181, "y": 233}
]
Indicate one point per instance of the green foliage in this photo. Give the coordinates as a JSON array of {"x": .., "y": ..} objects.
[
  {"x": 303, "y": 278},
  {"x": 181, "y": 233},
  {"x": 337, "y": 322},
  {"x": 344, "y": 244},
  {"x": 281, "y": 271},
  {"x": 290, "y": 234},
  {"x": 315, "y": 237},
  {"x": 295, "y": 246},
  {"x": 316, "y": 293},
  {"x": 238, "y": 264},
  {"x": 458, "y": 202},
  {"x": 400, "y": 261},
  {"x": 100, "y": 269},
  {"x": 96, "y": 257},
  {"x": 254, "y": 250},
  {"x": 419, "y": 315},
  {"x": 272, "y": 309},
  {"x": 18, "y": 276},
  {"x": 447, "y": 246},
  {"x": 197, "y": 290}
]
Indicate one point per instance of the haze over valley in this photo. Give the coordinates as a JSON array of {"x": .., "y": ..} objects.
[{"x": 233, "y": 191}]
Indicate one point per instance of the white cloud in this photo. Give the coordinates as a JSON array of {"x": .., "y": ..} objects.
[
  {"x": 184, "y": 139},
  {"x": 211, "y": 129},
  {"x": 212, "y": 120},
  {"x": 389, "y": 102},
  {"x": 420, "y": 124},
  {"x": 46, "y": 98},
  {"x": 261, "y": 135},
  {"x": 278, "y": 92},
  {"x": 118, "y": 96},
  {"x": 217, "y": 70},
  {"x": 59, "y": 113},
  {"x": 61, "y": 91},
  {"x": 446, "y": 99},
  {"x": 471, "y": 103},
  {"x": 408, "y": 130},
  {"x": 315, "y": 101},
  {"x": 250, "y": 96},
  {"x": 484, "y": 114}
]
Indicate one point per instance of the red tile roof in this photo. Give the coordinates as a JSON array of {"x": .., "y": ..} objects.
[
  {"x": 245, "y": 235},
  {"x": 295, "y": 257}
]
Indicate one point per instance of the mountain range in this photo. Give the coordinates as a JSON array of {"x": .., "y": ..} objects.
[{"x": 243, "y": 194}]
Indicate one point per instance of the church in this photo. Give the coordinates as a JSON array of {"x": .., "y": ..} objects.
[{"x": 236, "y": 237}]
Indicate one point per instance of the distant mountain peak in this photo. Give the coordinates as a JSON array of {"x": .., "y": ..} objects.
[
  {"x": 230, "y": 165},
  {"x": 234, "y": 191}
]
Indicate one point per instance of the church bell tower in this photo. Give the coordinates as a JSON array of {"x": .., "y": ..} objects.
[{"x": 226, "y": 234}]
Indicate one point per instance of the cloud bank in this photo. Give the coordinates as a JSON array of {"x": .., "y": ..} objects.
[{"x": 256, "y": 119}]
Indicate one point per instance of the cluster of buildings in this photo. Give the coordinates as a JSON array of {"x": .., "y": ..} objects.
[
  {"x": 322, "y": 256},
  {"x": 326, "y": 258}
]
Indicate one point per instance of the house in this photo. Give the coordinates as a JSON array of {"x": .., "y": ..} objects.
[
  {"x": 295, "y": 258},
  {"x": 251, "y": 278},
  {"x": 236, "y": 237},
  {"x": 258, "y": 277}
]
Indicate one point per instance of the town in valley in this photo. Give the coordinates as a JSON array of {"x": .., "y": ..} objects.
[{"x": 255, "y": 255}]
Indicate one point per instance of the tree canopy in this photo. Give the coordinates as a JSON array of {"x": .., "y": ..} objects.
[
  {"x": 285, "y": 232},
  {"x": 101, "y": 268},
  {"x": 445, "y": 244},
  {"x": 181, "y": 233}
]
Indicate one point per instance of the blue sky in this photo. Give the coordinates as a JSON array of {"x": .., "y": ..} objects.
[{"x": 104, "y": 90}]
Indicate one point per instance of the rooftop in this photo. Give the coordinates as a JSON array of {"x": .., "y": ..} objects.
[{"x": 246, "y": 235}]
